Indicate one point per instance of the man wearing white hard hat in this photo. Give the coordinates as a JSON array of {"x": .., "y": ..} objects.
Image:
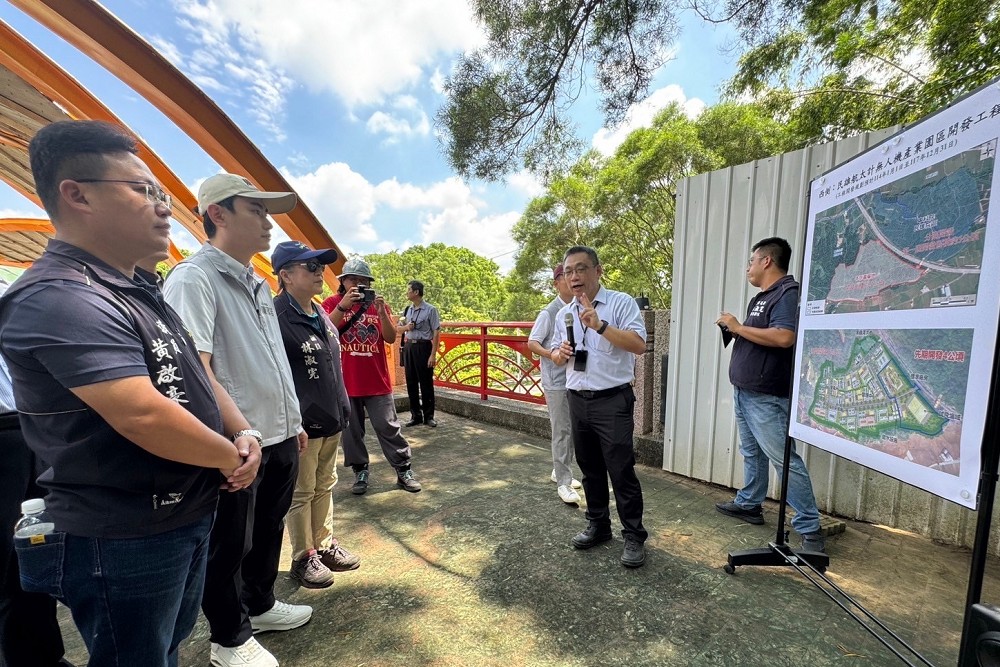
[
  {"x": 365, "y": 324},
  {"x": 230, "y": 314}
]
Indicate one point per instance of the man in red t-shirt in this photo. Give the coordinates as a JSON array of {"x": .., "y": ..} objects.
[{"x": 365, "y": 325}]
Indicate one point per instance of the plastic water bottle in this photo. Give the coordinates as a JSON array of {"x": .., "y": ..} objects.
[{"x": 34, "y": 521}]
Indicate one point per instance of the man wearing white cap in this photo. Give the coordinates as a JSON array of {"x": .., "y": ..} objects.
[{"x": 230, "y": 315}]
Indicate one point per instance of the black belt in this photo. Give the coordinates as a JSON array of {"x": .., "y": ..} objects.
[
  {"x": 599, "y": 393},
  {"x": 418, "y": 340}
]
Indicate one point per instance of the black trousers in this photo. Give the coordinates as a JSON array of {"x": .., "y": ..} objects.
[
  {"x": 602, "y": 438},
  {"x": 29, "y": 632},
  {"x": 245, "y": 546},
  {"x": 420, "y": 379}
]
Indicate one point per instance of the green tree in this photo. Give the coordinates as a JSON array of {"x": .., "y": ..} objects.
[
  {"x": 463, "y": 285},
  {"x": 624, "y": 205},
  {"x": 739, "y": 133}
]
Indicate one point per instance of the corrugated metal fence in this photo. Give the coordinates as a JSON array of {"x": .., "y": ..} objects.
[{"x": 720, "y": 215}]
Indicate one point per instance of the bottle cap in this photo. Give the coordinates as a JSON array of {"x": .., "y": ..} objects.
[{"x": 33, "y": 506}]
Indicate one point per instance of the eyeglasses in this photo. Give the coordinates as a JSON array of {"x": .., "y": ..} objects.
[
  {"x": 154, "y": 193},
  {"x": 312, "y": 266},
  {"x": 754, "y": 259},
  {"x": 576, "y": 270}
]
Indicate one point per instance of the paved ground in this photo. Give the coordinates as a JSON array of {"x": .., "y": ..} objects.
[{"x": 478, "y": 570}]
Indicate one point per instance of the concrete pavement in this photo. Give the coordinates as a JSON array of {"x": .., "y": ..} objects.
[{"x": 477, "y": 569}]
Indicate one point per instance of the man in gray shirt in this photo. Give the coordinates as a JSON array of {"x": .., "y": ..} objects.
[
  {"x": 230, "y": 315},
  {"x": 422, "y": 328},
  {"x": 554, "y": 386}
]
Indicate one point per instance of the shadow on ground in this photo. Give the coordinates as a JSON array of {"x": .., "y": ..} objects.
[{"x": 477, "y": 570}]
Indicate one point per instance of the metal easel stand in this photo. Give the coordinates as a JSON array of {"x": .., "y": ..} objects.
[{"x": 812, "y": 566}]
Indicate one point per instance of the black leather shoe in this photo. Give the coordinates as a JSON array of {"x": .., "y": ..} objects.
[
  {"x": 414, "y": 422},
  {"x": 634, "y": 554},
  {"x": 591, "y": 536},
  {"x": 431, "y": 422},
  {"x": 754, "y": 515}
]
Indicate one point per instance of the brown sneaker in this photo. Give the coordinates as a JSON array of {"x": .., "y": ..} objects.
[
  {"x": 310, "y": 572},
  {"x": 339, "y": 559}
]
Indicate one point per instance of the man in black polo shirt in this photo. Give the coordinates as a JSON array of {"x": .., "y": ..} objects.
[
  {"x": 115, "y": 401},
  {"x": 760, "y": 371}
]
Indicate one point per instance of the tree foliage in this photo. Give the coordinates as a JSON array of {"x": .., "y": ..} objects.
[
  {"x": 826, "y": 68},
  {"x": 623, "y": 205},
  {"x": 507, "y": 102},
  {"x": 834, "y": 68},
  {"x": 461, "y": 284}
]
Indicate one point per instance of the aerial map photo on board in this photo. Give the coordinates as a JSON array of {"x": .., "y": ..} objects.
[
  {"x": 914, "y": 243},
  {"x": 900, "y": 391}
]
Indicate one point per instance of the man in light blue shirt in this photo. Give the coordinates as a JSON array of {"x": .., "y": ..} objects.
[{"x": 608, "y": 333}]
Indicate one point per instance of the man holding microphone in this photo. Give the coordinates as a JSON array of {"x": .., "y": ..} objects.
[{"x": 602, "y": 334}]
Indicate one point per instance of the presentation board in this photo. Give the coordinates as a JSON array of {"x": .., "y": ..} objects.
[{"x": 900, "y": 301}]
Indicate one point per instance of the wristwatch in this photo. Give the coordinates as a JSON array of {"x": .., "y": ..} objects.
[
  {"x": 252, "y": 433},
  {"x": 342, "y": 309},
  {"x": 604, "y": 325}
]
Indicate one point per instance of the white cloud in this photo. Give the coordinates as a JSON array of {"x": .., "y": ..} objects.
[
  {"x": 642, "y": 113},
  {"x": 182, "y": 238},
  {"x": 488, "y": 236},
  {"x": 526, "y": 183},
  {"x": 437, "y": 81},
  {"x": 398, "y": 126},
  {"x": 362, "y": 52},
  {"x": 168, "y": 49},
  {"x": 219, "y": 57},
  {"x": 30, "y": 213},
  {"x": 449, "y": 193},
  {"x": 448, "y": 211},
  {"x": 300, "y": 160},
  {"x": 343, "y": 201}
]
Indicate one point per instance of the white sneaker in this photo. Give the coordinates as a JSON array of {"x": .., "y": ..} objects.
[
  {"x": 282, "y": 616},
  {"x": 568, "y": 495},
  {"x": 575, "y": 483},
  {"x": 250, "y": 654}
]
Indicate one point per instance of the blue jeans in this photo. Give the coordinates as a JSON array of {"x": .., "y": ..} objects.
[
  {"x": 134, "y": 600},
  {"x": 762, "y": 420}
]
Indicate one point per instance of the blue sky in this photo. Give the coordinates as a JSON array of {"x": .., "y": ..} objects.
[{"x": 341, "y": 95}]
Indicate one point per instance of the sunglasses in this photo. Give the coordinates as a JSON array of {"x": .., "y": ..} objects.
[{"x": 312, "y": 266}]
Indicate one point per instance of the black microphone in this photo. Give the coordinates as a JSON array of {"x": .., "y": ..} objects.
[{"x": 570, "y": 337}]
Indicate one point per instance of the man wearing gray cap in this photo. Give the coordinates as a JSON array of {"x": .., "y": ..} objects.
[
  {"x": 365, "y": 324},
  {"x": 230, "y": 315}
]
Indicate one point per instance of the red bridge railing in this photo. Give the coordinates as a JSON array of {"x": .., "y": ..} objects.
[{"x": 490, "y": 359}]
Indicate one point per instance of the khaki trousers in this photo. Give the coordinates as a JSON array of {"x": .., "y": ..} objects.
[{"x": 310, "y": 518}]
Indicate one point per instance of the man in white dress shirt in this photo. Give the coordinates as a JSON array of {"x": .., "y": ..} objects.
[{"x": 609, "y": 333}]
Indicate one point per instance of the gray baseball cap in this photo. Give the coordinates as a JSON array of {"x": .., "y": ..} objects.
[{"x": 223, "y": 186}]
